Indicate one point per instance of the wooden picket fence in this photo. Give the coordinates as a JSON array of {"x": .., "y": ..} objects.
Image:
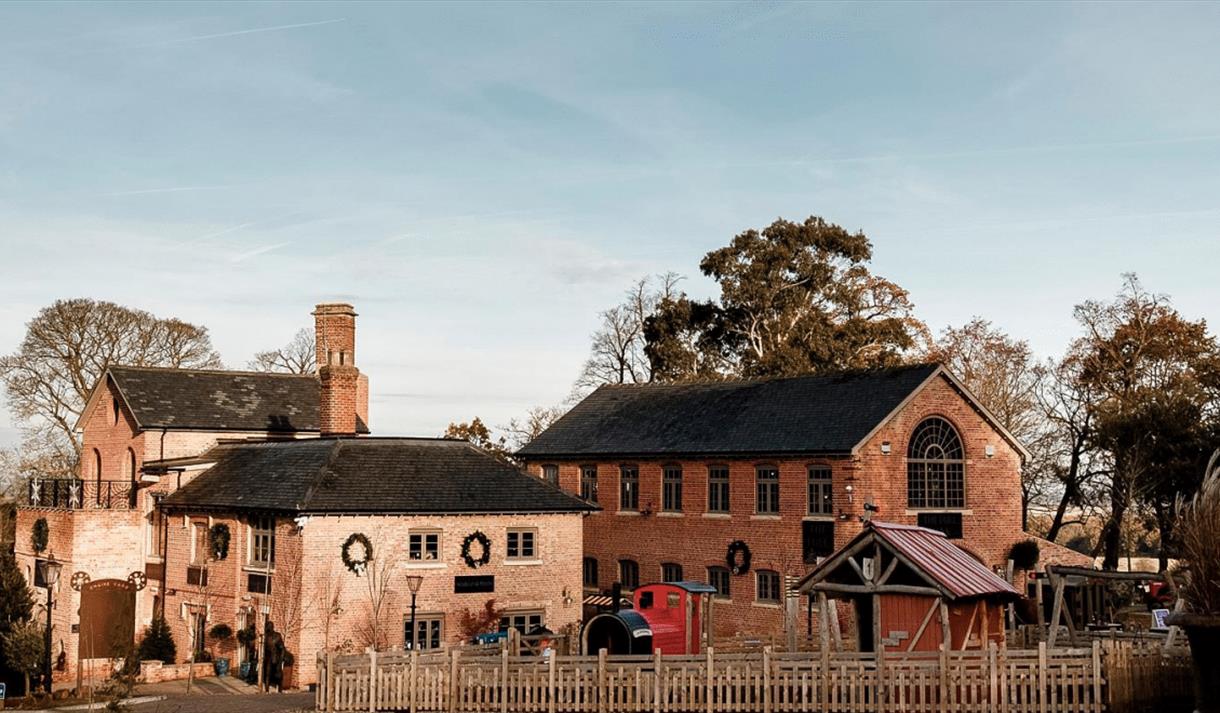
[{"x": 1115, "y": 676}]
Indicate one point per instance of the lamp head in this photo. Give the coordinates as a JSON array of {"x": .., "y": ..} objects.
[
  {"x": 51, "y": 571},
  {"x": 413, "y": 582}
]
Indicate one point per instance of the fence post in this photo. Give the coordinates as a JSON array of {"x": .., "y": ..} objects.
[
  {"x": 453, "y": 679},
  {"x": 372, "y": 680},
  {"x": 944, "y": 677},
  {"x": 1097, "y": 676},
  {"x": 656, "y": 683},
  {"x": 882, "y": 692},
  {"x": 603, "y": 690},
  {"x": 504, "y": 678},
  {"x": 328, "y": 698},
  {"x": 414, "y": 679},
  {"x": 766, "y": 662},
  {"x": 550, "y": 677},
  {"x": 1041, "y": 677},
  {"x": 709, "y": 670},
  {"x": 993, "y": 689}
]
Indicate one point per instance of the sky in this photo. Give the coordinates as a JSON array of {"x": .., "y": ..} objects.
[{"x": 480, "y": 180}]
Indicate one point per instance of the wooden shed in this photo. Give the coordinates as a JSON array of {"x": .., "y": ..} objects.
[{"x": 912, "y": 589}]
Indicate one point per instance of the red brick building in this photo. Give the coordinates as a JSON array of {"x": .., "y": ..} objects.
[{"x": 691, "y": 477}]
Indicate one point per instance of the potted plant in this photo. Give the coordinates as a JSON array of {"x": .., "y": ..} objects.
[
  {"x": 1198, "y": 532},
  {"x": 219, "y": 635},
  {"x": 246, "y": 638}
]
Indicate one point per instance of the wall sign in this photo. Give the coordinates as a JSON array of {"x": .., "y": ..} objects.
[{"x": 474, "y": 584}]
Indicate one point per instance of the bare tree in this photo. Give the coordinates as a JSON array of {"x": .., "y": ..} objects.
[
  {"x": 298, "y": 356},
  {"x": 616, "y": 355},
  {"x": 69, "y": 345},
  {"x": 326, "y": 602},
  {"x": 379, "y": 590},
  {"x": 521, "y": 431}
]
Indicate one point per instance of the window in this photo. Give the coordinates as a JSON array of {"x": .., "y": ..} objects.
[
  {"x": 258, "y": 583},
  {"x": 671, "y": 489},
  {"x": 197, "y": 576},
  {"x": 423, "y": 546},
  {"x": 521, "y": 544},
  {"x": 767, "y": 499},
  {"x": 156, "y": 527},
  {"x": 949, "y": 523},
  {"x": 718, "y": 488},
  {"x": 768, "y": 586},
  {"x": 590, "y": 572},
  {"x": 588, "y": 483},
  {"x": 524, "y": 622},
  {"x": 820, "y": 493},
  {"x": 550, "y": 473},
  {"x": 115, "y": 411},
  {"x": 718, "y": 577},
  {"x": 629, "y": 573},
  {"x": 935, "y": 466},
  {"x": 629, "y": 488},
  {"x": 131, "y": 465},
  {"x": 199, "y": 543},
  {"x": 97, "y": 474},
  {"x": 671, "y": 572},
  {"x": 199, "y": 628},
  {"x": 817, "y": 539},
  {"x": 428, "y": 633},
  {"x": 40, "y": 573},
  {"x": 262, "y": 542}
]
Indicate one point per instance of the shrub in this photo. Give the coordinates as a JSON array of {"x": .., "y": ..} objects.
[
  {"x": 23, "y": 650},
  {"x": 221, "y": 632},
  {"x": 1024, "y": 554},
  {"x": 157, "y": 643}
]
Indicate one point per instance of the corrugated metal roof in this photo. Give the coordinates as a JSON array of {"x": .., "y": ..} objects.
[{"x": 929, "y": 550}]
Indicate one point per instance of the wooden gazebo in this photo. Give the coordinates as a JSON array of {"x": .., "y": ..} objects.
[{"x": 899, "y": 579}]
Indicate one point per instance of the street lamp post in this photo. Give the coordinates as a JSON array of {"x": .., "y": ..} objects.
[
  {"x": 413, "y": 583},
  {"x": 50, "y": 576}
]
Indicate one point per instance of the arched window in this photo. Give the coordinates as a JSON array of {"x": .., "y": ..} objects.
[
  {"x": 936, "y": 465},
  {"x": 131, "y": 466},
  {"x": 97, "y": 474}
]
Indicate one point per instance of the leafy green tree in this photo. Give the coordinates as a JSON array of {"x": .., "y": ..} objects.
[
  {"x": 477, "y": 433},
  {"x": 23, "y": 649},
  {"x": 157, "y": 643},
  {"x": 795, "y": 298}
]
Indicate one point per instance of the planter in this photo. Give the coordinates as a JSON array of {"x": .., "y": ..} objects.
[
  {"x": 243, "y": 670},
  {"x": 1203, "y": 632},
  {"x": 221, "y": 666}
]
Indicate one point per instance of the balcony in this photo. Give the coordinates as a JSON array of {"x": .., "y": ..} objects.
[{"x": 76, "y": 494}]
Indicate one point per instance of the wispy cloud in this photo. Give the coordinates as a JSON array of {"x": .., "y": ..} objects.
[
  {"x": 258, "y": 251},
  {"x": 249, "y": 31},
  {"x": 176, "y": 189}
]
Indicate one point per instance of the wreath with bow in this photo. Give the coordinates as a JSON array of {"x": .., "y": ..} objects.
[
  {"x": 360, "y": 562},
  {"x": 219, "y": 537},
  {"x": 738, "y": 557},
  {"x": 39, "y": 535},
  {"x": 485, "y": 557}
]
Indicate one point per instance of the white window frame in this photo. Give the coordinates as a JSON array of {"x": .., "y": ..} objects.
[{"x": 257, "y": 529}]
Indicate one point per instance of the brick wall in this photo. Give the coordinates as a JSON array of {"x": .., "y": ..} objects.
[
  {"x": 308, "y": 567},
  {"x": 697, "y": 539}
]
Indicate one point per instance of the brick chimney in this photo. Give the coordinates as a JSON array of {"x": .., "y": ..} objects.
[{"x": 341, "y": 381}]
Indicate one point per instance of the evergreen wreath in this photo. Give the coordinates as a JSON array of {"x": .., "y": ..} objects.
[
  {"x": 484, "y": 558},
  {"x": 39, "y": 535},
  {"x": 738, "y": 547},
  {"x": 357, "y": 565},
  {"x": 219, "y": 535}
]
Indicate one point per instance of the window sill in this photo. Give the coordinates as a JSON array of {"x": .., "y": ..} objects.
[
  {"x": 671, "y": 514},
  {"x": 258, "y": 569},
  {"x": 766, "y": 517},
  {"x": 717, "y": 599},
  {"x": 627, "y": 513},
  {"x": 425, "y": 565},
  {"x": 717, "y": 515},
  {"x": 521, "y": 562},
  {"x": 956, "y": 511},
  {"x": 819, "y": 518},
  {"x": 767, "y": 605}
]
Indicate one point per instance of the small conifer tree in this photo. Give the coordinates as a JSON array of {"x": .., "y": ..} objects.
[{"x": 157, "y": 644}]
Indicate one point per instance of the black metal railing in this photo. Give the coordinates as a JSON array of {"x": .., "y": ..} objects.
[{"x": 79, "y": 494}]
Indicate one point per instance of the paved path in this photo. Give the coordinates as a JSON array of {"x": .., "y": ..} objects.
[{"x": 218, "y": 695}]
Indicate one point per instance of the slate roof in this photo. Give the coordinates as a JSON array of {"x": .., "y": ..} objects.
[
  {"x": 367, "y": 475},
  {"x": 950, "y": 568},
  {"x": 220, "y": 400},
  {"x": 804, "y": 414}
]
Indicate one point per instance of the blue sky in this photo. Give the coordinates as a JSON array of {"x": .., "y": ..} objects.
[{"x": 481, "y": 180}]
